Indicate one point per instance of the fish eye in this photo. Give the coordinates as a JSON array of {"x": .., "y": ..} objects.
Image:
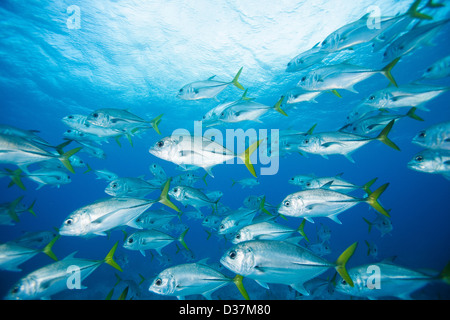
[
  {"x": 371, "y": 98},
  {"x": 15, "y": 290},
  {"x": 68, "y": 222},
  {"x": 308, "y": 184},
  {"x": 95, "y": 115},
  {"x": 70, "y": 117},
  {"x": 324, "y": 42},
  {"x": 422, "y": 134},
  {"x": 419, "y": 158},
  {"x": 175, "y": 189},
  {"x": 222, "y": 226},
  {"x": 130, "y": 240},
  {"x": 385, "y": 54},
  {"x": 238, "y": 236},
  {"x": 306, "y": 141},
  {"x": 160, "y": 144},
  {"x": 287, "y": 203},
  {"x": 292, "y": 179},
  {"x": 232, "y": 254},
  {"x": 344, "y": 282},
  {"x": 158, "y": 282},
  {"x": 354, "y": 128},
  {"x": 429, "y": 69},
  {"x": 289, "y": 63},
  {"x": 69, "y": 131},
  {"x": 114, "y": 185},
  {"x": 303, "y": 79}
]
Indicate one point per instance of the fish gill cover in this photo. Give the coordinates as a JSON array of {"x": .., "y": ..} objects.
[{"x": 125, "y": 126}]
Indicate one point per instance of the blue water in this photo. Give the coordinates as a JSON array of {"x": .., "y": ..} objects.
[{"x": 137, "y": 56}]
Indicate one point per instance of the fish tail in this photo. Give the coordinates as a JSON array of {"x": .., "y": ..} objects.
[
  {"x": 412, "y": 11},
  {"x": 12, "y": 209},
  {"x": 367, "y": 186},
  {"x": 164, "y": 198},
  {"x": 383, "y": 136},
  {"x": 336, "y": 93},
  {"x": 372, "y": 200},
  {"x": 15, "y": 178},
  {"x": 48, "y": 248},
  {"x": 411, "y": 113},
  {"x": 262, "y": 206},
  {"x": 88, "y": 168},
  {"x": 245, "y": 157},
  {"x": 235, "y": 80},
  {"x": 59, "y": 148},
  {"x": 445, "y": 274},
  {"x": 386, "y": 71},
  {"x": 234, "y": 182},
  {"x": 369, "y": 223},
  {"x": 181, "y": 239},
  {"x": 204, "y": 178},
  {"x": 301, "y": 230},
  {"x": 110, "y": 294},
  {"x": 64, "y": 158},
  {"x": 155, "y": 122},
  {"x": 342, "y": 261},
  {"x": 109, "y": 259},
  {"x": 124, "y": 293},
  {"x": 237, "y": 280},
  {"x": 30, "y": 208},
  {"x": 277, "y": 106},
  {"x": 368, "y": 246}
]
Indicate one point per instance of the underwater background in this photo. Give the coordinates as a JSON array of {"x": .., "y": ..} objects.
[{"x": 136, "y": 56}]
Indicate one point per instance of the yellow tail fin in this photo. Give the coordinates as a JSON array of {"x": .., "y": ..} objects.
[{"x": 245, "y": 157}]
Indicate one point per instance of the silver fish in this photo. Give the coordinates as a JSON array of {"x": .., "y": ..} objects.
[
  {"x": 130, "y": 187},
  {"x": 273, "y": 261},
  {"x": 247, "y": 182},
  {"x": 121, "y": 119},
  {"x": 193, "y": 278},
  {"x": 309, "y": 204},
  {"x": 104, "y": 215},
  {"x": 199, "y": 151},
  {"x": 53, "y": 278},
  {"x": 267, "y": 230},
  {"x": 248, "y": 110},
  {"x": 438, "y": 70},
  {"x": 417, "y": 37},
  {"x": 207, "y": 89},
  {"x": 410, "y": 95},
  {"x": 382, "y": 223},
  {"x": 12, "y": 255},
  {"x": 432, "y": 161},
  {"x": 336, "y": 142},
  {"x": 395, "y": 281},
  {"x": 434, "y": 137},
  {"x": 191, "y": 196},
  {"x": 158, "y": 172},
  {"x": 307, "y": 59},
  {"x": 21, "y": 152},
  {"x": 152, "y": 239},
  {"x": 373, "y": 123},
  {"x": 342, "y": 76}
]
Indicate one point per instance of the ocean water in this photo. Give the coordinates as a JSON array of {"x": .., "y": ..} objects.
[{"x": 73, "y": 57}]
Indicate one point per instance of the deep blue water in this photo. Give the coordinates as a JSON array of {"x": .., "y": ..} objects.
[{"x": 129, "y": 55}]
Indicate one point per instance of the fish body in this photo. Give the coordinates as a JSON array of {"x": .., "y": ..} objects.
[
  {"x": 198, "y": 151},
  {"x": 434, "y": 137},
  {"x": 190, "y": 196},
  {"x": 420, "y": 35},
  {"x": 309, "y": 204},
  {"x": 438, "y": 70},
  {"x": 394, "y": 281},
  {"x": 273, "y": 261},
  {"x": 267, "y": 230},
  {"x": 207, "y": 89},
  {"x": 103, "y": 215},
  {"x": 431, "y": 161},
  {"x": 130, "y": 187},
  {"x": 409, "y": 95},
  {"x": 188, "y": 279}
]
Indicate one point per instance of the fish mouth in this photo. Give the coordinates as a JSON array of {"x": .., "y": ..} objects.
[{"x": 225, "y": 263}]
